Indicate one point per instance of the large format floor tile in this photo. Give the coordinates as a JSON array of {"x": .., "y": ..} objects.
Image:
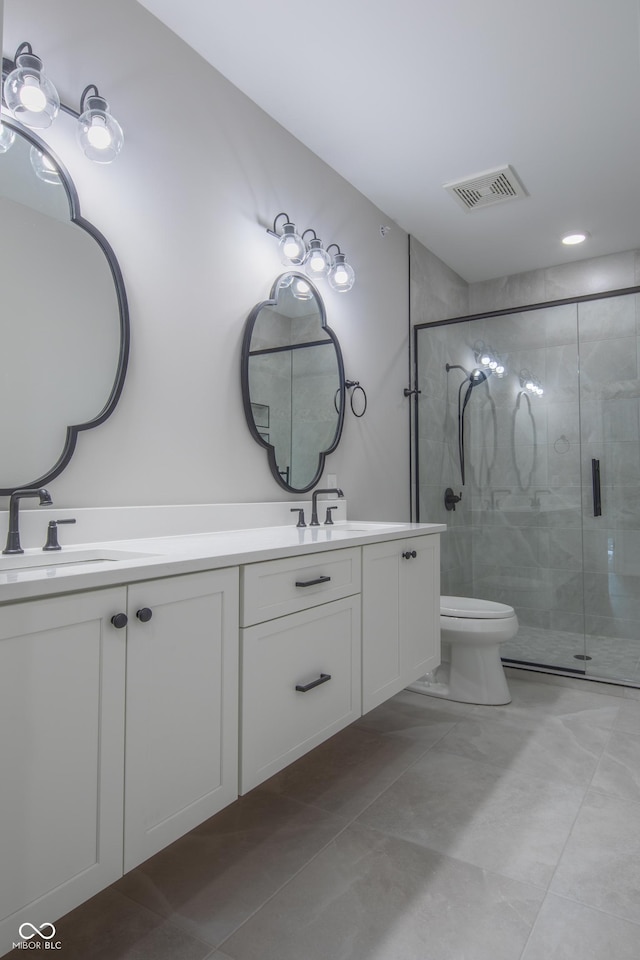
[
  {"x": 502, "y": 820},
  {"x": 368, "y": 896},
  {"x": 112, "y": 927},
  {"x": 601, "y": 863},
  {"x": 618, "y": 772},
  {"x": 350, "y": 770},
  {"x": 566, "y": 750},
  {"x": 530, "y": 703},
  {"x": 211, "y": 880},
  {"x": 569, "y": 931}
]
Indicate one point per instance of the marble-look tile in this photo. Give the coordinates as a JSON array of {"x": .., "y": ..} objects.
[
  {"x": 530, "y": 702},
  {"x": 618, "y": 772},
  {"x": 344, "y": 774},
  {"x": 507, "y": 292},
  {"x": 555, "y": 749},
  {"x": 600, "y": 865},
  {"x": 373, "y": 897},
  {"x": 607, "y": 318},
  {"x": 566, "y": 930},
  {"x": 573, "y": 683},
  {"x": 211, "y": 880},
  {"x": 414, "y": 716},
  {"x": 595, "y": 275},
  {"x": 494, "y": 818},
  {"x": 628, "y": 719},
  {"x": 112, "y": 927}
]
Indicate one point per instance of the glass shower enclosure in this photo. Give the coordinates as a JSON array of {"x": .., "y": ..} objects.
[{"x": 532, "y": 417}]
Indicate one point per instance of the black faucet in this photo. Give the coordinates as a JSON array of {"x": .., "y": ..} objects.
[
  {"x": 314, "y": 502},
  {"x": 13, "y": 536}
]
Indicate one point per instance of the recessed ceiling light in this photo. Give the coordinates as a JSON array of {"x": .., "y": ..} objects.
[{"x": 571, "y": 238}]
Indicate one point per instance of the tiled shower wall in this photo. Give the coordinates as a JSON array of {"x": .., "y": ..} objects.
[{"x": 516, "y": 535}]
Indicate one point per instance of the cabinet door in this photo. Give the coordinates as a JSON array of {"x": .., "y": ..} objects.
[
  {"x": 61, "y": 740},
  {"x": 400, "y": 615},
  {"x": 300, "y": 685},
  {"x": 182, "y": 707}
]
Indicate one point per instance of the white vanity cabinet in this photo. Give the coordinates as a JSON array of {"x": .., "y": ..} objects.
[
  {"x": 181, "y": 751},
  {"x": 400, "y": 615},
  {"x": 62, "y": 683},
  {"x": 300, "y": 657}
]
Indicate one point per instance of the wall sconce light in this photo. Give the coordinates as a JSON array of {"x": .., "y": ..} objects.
[
  {"x": 341, "y": 276},
  {"x": 292, "y": 247},
  {"x": 43, "y": 166},
  {"x": 34, "y": 101},
  {"x": 7, "y": 136},
  {"x": 317, "y": 262},
  {"x": 29, "y": 93},
  {"x": 531, "y": 384},
  {"x": 488, "y": 358},
  {"x": 99, "y": 134},
  {"x": 300, "y": 289}
]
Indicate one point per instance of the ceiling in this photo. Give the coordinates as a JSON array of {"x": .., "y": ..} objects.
[{"x": 403, "y": 96}]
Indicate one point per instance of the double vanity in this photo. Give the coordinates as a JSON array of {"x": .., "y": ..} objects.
[{"x": 148, "y": 681}]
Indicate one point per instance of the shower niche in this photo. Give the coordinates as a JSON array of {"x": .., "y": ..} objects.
[{"x": 547, "y": 458}]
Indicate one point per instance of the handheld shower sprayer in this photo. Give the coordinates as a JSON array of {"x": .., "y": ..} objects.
[{"x": 473, "y": 378}]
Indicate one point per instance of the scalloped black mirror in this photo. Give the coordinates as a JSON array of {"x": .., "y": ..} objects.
[
  {"x": 293, "y": 382},
  {"x": 65, "y": 325}
]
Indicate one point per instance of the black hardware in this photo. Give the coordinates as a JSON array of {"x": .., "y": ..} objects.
[
  {"x": 312, "y": 583},
  {"x": 13, "y": 534},
  {"x": 144, "y": 614},
  {"x": 450, "y": 499},
  {"x": 353, "y": 385},
  {"x": 595, "y": 481},
  {"x": 303, "y": 687},
  {"x": 329, "y": 519},
  {"x": 409, "y": 554},
  {"x": 408, "y": 392},
  {"x": 300, "y": 512},
  {"x": 52, "y": 534},
  {"x": 119, "y": 620},
  {"x": 314, "y": 503}
]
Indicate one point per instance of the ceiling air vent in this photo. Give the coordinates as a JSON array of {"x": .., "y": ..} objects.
[{"x": 487, "y": 189}]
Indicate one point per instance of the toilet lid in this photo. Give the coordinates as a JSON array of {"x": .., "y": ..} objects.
[{"x": 474, "y": 609}]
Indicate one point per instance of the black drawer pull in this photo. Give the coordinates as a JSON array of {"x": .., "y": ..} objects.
[
  {"x": 312, "y": 583},
  {"x": 409, "y": 554},
  {"x": 303, "y": 687}
]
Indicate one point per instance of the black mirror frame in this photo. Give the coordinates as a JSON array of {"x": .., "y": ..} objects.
[
  {"x": 246, "y": 398},
  {"x": 123, "y": 358}
]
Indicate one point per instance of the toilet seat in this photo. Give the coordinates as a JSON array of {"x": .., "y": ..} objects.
[{"x": 469, "y": 608}]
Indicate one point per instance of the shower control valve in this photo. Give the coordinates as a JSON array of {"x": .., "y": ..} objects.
[{"x": 450, "y": 499}]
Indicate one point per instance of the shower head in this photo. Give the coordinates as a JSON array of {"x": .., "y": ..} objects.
[{"x": 478, "y": 376}]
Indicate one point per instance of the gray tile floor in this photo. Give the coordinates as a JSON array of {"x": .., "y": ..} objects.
[
  {"x": 426, "y": 831},
  {"x": 613, "y": 658}
]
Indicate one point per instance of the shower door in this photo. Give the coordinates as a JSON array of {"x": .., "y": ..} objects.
[
  {"x": 526, "y": 532},
  {"x": 609, "y": 347}
]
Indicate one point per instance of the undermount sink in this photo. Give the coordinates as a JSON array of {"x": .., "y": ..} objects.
[
  {"x": 364, "y": 526},
  {"x": 39, "y": 558}
]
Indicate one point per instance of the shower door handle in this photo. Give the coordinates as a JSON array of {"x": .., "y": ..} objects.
[{"x": 595, "y": 481}]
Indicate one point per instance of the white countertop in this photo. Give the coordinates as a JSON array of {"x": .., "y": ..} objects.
[{"x": 151, "y": 558}]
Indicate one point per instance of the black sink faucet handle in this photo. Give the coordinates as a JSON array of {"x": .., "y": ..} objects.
[
  {"x": 329, "y": 519},
  {"x": 300, "y": 512},
  {"x": 52, "y": 534}
]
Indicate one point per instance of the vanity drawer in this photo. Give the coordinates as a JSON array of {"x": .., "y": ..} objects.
[
  {"x": 276, "y": 588},
  {"x": 280, "y": 723}
]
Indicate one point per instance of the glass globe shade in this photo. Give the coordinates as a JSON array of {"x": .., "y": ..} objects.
[
  {"x": 43, "y": 167},
  {"x": 292, "y": 247},
  {"x": 29, "y": 93},
  {"x": 317, "y": 262},
  {"x": 99, "y": 135},
  {"x": 7, "y": 136},
  {"x": 341, "y": 276}
]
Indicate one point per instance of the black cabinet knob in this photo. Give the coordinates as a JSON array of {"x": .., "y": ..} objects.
[
  {"x": 144, "y": 614},
  {"x": 119, "y": 620},
  {"x": 409, "y": 554}
]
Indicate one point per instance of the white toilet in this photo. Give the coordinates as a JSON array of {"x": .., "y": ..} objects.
[{"x": 471, "y": 670}]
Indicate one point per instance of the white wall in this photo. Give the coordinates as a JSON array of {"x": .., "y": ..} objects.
[{"x": 202, "y": 173}]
